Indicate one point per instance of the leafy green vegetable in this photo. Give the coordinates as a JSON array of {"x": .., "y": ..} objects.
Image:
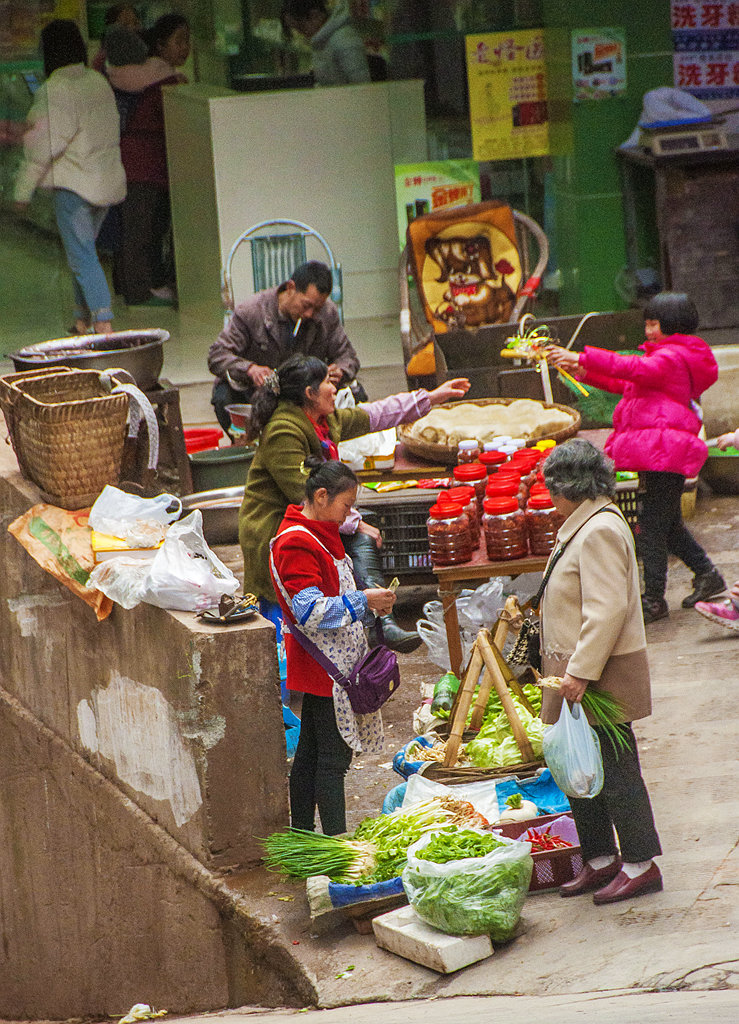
[
  {"x": 484, "y": 899},
  {"x": 495, "y": 747},
  {"x": 448, "y": 846},
  {"x": 608, "y": 715}
]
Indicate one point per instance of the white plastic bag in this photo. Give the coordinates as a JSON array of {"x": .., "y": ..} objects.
[
  {"x": 473, "y": 896},
  {"x": 142, "y": 522},
  {"x": 121, "y": 579},
  {"x": 185, "y": 575},
  {"x": 371, "y": 451},
  {"x": 572, "y": 752},
  {"x": 480, "y": 608}
]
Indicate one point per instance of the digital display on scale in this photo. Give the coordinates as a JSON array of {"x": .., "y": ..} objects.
[{"x": 676, "y": 143}]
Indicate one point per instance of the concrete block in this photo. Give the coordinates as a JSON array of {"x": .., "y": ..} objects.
[{"x": 403, "y": 932}]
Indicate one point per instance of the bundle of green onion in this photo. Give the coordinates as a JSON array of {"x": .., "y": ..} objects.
[
  {"x": 608, "y": 715},
  {"x": 302, "y": 854}
]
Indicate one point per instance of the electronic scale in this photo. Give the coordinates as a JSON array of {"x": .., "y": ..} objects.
[{"x": 678, "y": 137}]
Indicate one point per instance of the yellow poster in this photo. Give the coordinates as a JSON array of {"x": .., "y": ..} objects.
[
  {"x": 508, "y": 95},
  {"x": 21, "y": 22}
]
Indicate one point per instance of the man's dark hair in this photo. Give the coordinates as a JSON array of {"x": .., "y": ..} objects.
[
  {"x": 315, "y": 273},
  {"x": 675, "y": 312},
  {"x": 62, "y": 44},
  {"x": 113, "y": 13}
]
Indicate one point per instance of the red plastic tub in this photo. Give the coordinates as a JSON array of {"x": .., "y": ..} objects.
[{"x": 198, "y": 439}]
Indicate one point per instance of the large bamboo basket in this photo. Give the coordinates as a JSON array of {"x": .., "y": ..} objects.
[
  {"x": 68, "y": 432},
  {"x": 447, "y": 454}
]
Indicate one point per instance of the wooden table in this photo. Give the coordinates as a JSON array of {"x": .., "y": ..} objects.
[{"x": 451, "y": 577}]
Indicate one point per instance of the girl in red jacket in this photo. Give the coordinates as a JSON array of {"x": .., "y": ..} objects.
[
  {"x": 655, "y": 431},
  {"x": 313, "y": 579}
]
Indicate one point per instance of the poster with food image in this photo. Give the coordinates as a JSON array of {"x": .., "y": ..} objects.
[
  {"x": 21, "y": 22},
  {"x": 509, "y": 115}
]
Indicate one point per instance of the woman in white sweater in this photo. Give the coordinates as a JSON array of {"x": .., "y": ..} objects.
[{"x": 72, "y": 148}]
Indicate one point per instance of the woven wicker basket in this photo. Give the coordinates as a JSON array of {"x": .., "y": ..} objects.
[
  {"x": 447, "y": 454},
  {"x": 68, "y": 432}
]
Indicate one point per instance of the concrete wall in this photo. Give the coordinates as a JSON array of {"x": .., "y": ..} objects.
[{"x": 138, "y": 755}]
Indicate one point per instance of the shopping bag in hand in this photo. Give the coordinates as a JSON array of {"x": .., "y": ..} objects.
[{"x": 572, "y": 752}]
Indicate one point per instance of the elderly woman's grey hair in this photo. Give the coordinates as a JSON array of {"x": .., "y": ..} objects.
[{"x": 579, "y": 471}]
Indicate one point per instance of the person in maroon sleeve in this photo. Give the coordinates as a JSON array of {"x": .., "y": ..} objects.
[
  {"x": 655, "y": 431},
  {"x": 143, "y": 273}
]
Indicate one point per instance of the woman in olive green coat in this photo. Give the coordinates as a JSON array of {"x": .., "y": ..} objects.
[{"x": 294, "y": 415}]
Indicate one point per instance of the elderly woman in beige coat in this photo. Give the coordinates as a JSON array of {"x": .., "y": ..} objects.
[{"x": 593, "y": 636}]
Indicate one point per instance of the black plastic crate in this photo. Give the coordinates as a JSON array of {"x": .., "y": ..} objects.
[
  {"x": 401, "y": 520},
  {"x": 628, "y": 499}
]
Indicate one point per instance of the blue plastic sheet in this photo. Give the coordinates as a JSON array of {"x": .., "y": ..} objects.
[
  {"x": 542, "y": 791},
  {"x": 394, "y": 799},
  {"x": 344, "y": 895},
  {"x": 292, "y": 730}
]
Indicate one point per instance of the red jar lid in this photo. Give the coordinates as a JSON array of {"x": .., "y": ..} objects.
[
  {"x": 539, "y": 488},
  {"x": 461, "y": 495},
  {"x": 446, "y": 511},
  {"x": 470, "y": 471},
  {"x": 497, "y": 506},
  {"x": 493, "y": 458},
  {"x": 509, "y": 474},
  {"x": 498, "y": 488},
  {"x": 542, "y": 499}
]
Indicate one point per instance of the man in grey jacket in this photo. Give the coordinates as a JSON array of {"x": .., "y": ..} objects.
[{"x": 272, "y": 325}]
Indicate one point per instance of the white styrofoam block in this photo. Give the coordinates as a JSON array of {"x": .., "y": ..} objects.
[{"x": 403, "y": 932}]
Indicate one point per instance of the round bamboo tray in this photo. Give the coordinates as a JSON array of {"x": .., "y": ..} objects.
[
  {"x": 471, "y": 773},
  {"x": 447, "y": 454}
]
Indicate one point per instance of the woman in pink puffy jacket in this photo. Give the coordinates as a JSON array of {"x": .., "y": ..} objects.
[{"x": 655, "y": 431}]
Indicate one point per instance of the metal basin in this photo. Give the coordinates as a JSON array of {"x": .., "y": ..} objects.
[
  {"x": 141, "y": 353},
  {"x": 721, "y": 471},
  {"x": 220, "y": 509}
]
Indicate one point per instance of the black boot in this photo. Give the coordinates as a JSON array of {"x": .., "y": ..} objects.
[
  {"x": 368, "y": 571},
  {"x": 654, "y": 608},
  {"x": 705, "y": 585}
]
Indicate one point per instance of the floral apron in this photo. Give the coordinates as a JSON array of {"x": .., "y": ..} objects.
[{"x": 343, "y": 647}]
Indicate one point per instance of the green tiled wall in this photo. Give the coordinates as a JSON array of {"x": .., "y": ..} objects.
[{"x": 589, "y": 219}]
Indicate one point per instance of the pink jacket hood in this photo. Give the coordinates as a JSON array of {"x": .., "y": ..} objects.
[{"x": 657, "y": 421}]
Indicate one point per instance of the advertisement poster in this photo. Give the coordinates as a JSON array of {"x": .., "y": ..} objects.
[
  {"x": 598, "y": 63},
  {"x": 427, "y": 187},
  {"x": 508, "y": 95},
  {"x": 706, "y": 41},
  {"x": 21, "y": 22}
]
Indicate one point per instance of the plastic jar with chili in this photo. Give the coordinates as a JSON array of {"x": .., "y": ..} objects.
[
  {"x": 473, "y": 474},
  {"x": 467, "y": 498},
  {"x": 468, "y": 451},
  {"x": 504, "y": 526},
  {"x": 542, "y": 523},
  {"x": 492, "y": 461},
  {"x": 448, "y": 528}
]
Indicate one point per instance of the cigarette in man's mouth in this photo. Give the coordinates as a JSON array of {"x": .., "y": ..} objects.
[{"x": 297, "y": 326}]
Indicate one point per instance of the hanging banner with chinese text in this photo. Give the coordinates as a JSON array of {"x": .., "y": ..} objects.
[
  {"x": 508, "y": 95},
  {"x": 430, "y": 187},
  {"x": 706, "y": 41}
]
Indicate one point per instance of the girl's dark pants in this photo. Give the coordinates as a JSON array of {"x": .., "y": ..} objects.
[
  {"x": 321, "y": 761},
  {"x": 623, "y": 804},
  {"x": 662, "y": 532}
]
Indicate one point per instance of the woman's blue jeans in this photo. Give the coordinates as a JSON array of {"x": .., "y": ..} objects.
[{"x": 79, "y": 223}]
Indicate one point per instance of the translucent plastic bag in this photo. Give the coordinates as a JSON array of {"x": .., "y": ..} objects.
[
  {"x": 474, "y": 896},
  {"x": 142, "y": 522},
  {"x": 572, "y": 752},
  {"x": 185, "y": 575}
]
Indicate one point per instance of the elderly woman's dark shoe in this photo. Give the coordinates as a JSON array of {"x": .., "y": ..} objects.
[
  {"x": 590, "y": 879},
  {"x": 705, "y": 585},
  {"x": 624, "y": 888}
]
